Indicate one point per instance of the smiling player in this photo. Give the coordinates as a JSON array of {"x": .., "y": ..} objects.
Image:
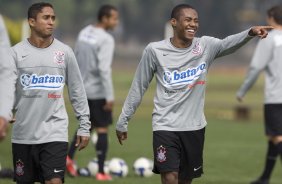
[
  {"x": 41, "y": 68},
  {"x": 180, "y": 64}
]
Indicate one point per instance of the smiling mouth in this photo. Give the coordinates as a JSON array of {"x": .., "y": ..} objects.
[{"x": 192, "y": 31}]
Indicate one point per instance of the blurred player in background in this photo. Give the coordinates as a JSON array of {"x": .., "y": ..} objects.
[
  {"x": 42, "y": 66},
  {"x": 267, "y": 58},
  {"x": 94, "y": 51},
  {"x": 181, "y": 65}
]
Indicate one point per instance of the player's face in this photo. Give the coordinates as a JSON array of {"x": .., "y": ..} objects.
[
  {"x": 44, "y": 23},
  {"x": 187, "y": 24},
  {"x": 113, "y": 20}
]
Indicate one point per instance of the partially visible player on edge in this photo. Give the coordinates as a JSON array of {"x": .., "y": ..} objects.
[
  {"x": 6, "y": 66},
  {"x": 94, "y": 51},
  {"x": 5, "y": 79},
  {"x": 5, "y": 92},
  {"x": 42, "y": 65},
  {"x": 267, "y": 58},
  {"x": 181, "y": 65},
  {"x": 4, "y": 37}
]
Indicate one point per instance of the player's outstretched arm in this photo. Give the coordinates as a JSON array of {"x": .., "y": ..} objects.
[{"x": 232, "y": 43}]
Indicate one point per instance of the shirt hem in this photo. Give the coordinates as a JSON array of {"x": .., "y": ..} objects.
[
  {"x": 180, "y": 129},
  {"x": 38, "y": 142}
]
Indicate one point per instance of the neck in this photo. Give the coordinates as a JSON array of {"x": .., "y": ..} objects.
[
  {"x": 101, "y": 25},
  {"x": 180, "y": 43},
  {"x": 278, "y": 27},
  {"x": 40, "y": 42}
]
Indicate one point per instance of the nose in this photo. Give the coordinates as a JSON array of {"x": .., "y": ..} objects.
[
  {"x": 192, "y": 24},
  {"x": 51, "y": 21}
]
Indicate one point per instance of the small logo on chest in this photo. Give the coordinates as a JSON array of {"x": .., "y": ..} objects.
[
  {"x": 197, "y": 49},
  {"x": 59, "y": 57}
]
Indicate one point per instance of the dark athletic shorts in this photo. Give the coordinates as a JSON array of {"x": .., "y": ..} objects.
[
  {"x": 39, "y": 162},
  {"x": 98, "y": 116},
  {"x": 180, "y": 152},
  {"x": 273, "y": 119}
]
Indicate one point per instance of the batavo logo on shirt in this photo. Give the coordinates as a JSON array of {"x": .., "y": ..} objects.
[
  {"x": 45, "y": 82},
  {"x": 176, "y": 77}
]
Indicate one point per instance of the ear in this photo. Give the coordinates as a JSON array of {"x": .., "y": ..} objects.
[
  {"x": 105, "y": 19},
  {"x": 31, "y": 22},
  {"x": 173, "y": 22}
]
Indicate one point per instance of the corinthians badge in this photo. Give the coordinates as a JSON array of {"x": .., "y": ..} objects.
[
  {"x": 19, "y": 168},
  {"x": 59, "y": 57},
  {"x": 161, "y": 154}
]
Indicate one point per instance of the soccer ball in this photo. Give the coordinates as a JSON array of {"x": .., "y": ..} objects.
[
  {"x": 143, "y": 167},
  {"x": 84, "y": 172},
  {"x": 94, "y": 138},
  {"x": 94, "y": 168},
  {"x": 118, "y": 167}
]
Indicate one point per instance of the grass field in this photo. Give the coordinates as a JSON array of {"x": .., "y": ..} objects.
[{"x": 234, "y": 150}]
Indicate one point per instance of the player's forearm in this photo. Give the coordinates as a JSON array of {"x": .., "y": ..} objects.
[
  {"x": 143, "y": 76},
  {"x": 232, "y": 43},
  {"x": 84, "y": 126},
  {"x": 77, "y": 96},
  {"x": 107, "y": 83},
  {"x": 131, "y": 103},
  {"x": 8, "y": 79},
  {"x": 80, "y": 105},
  {"x": 122, "y": 124},
  {"x": 6, "y": 99},
  {"x": 249, "y": 81},
  {"x": 7, "y": 95}
]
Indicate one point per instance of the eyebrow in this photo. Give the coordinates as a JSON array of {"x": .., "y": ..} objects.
[
  {"x": 48, "y": 15},
  {"x": 191, "y": 18}
]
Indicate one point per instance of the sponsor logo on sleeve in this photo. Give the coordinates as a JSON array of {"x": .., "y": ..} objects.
[
  {"x": 187, "y": 77},
  {"x": 59, "y": 57},
  {"x": 44, "y": 82}
]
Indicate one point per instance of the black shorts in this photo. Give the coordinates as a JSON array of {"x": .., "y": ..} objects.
[
  {"x": 98, "y": 116},
  {"x": 180, "y": 152},
  {"x": 273, "y": 119},
  {"x": 39, "y": 162}
]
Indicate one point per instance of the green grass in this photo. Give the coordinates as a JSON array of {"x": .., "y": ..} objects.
[{"x": 234, "y": 150}]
